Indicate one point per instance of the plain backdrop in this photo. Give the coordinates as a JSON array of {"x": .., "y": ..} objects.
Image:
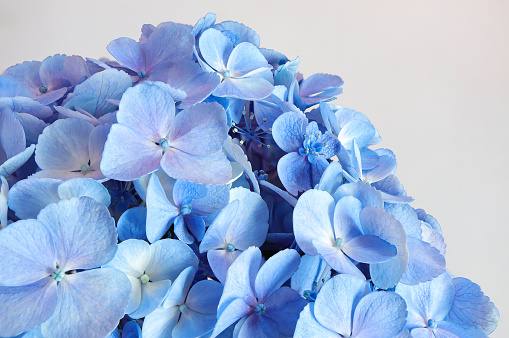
[{"x": 433, "y": 77}]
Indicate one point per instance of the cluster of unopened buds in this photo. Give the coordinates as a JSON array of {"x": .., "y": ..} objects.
[{"x": 199, "y": 185}]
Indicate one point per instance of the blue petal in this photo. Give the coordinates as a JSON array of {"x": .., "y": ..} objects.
[
  {"x": 132, "y": 224},
  {"x": 21, "y": 104},
  {"x": 168, "y": 42},
  {"x": 307, "y": 276},
  {"x": 249, "y": 88},
  {"x": 331, "y": 178},
  {"x": 284, "y": 307},
  {"x": 295, "y": 172},
  {"x": 472, "y": 307},
  {"x": 244, "y": 33},
  {"x": 78, "y": 187},
  {"x": 288, "y": 131},
  {"x": 131, "y": 330},
  {"x": 379, "y": 314},
  {"x": 11, "y": 87},
  {"x": 128, "y": 52},
  {"x": 25, "y": 307},
  {"x": 90, "y": 303},
  {"x": 307, "y": 325},
  {"x": 215, "y": 49},
  {"x": 360, "y": 131},
  {"x": 28, "y": 197},
  {"x": 152, "y": 294},
  {"x": 369, "y": 249},
  {"x": 424, "y": 262},
  {"x": 86, "y": 233},
  {"x": 319, "y": 87}
]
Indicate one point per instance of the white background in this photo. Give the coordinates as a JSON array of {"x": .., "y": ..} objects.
[{"x": 433, "y": 77}]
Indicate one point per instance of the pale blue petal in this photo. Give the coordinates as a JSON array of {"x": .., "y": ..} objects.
[
  {"x": 86, "y": 232},
  {"x": 472, "y": 307},
  {"x": 28, "y": 197},
  {"x": 16, "y": 86},
  {"x": 433, "y": 237},
  {"x": 250, "y": 225},
  {"x": 15, "y": 162},
  {"x": 78, "y": 187},
  {"x": 12, "y": 135},
  {"x": 180, "y": 229},
  {"x": 160, "y": 212},
  {"x": 245, "y": 59},
  {"x": 52, "y": 72},
  {"x": 168, "y": 42},
  {"x": 200, "y": 129},
  {"x": 90, "y": 303},
  {"x": 337, "y": 301},
  {"x": 220, "y": 261},
  {"x": 312, "y": 220},
  {"x": 307, "y": 325},
  {"x": 337, "y": 259},
  {"x": 194, "y": 324},
  {"x": 452, "y": 330},
  {"x": 331, "y": 178},
  {"x": 64, "y": 145},
  {"x": 240, "y": 280},
  {"x": 407, "y": 216},
  {"x": 29, "y": 249},
  {"x": 249, "y": 88},
  {"x": 361, "y": 131},
  {"x": 241, "y": 31},
  {"x": 236, "y": 309},
  {"x": 24, "y": 307},
  {"x": 152, "y": 294},
  {"x": 385, "y": 167},
  {"x": 32, "y": 125},
  {"x": 319, "y": 87},
  {"x": 379, "y": 314},
  {"x": 109, "y": 84},
  {"x": 258, "y": 327},
  {"x": 132, "y": 224},
  {"x": 308, "y": 274},
  {"x": 160, "y": 322},
  {"x": 26, "y": 105},
  {"x": 198, "y": 88},
  {"x": 365, "y": 193},
  {"x": 424, "y": 262},
  {"x": 217, "y": 197},
  {"x": 215, "y": 49},
  {"x": 215, "y": 236},
  {"x": 131, "y": 258},
  {"x": 347, "y": 218},
  {"x": 168, "y": 258}
]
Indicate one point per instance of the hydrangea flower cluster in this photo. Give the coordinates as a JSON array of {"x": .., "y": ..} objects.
[{"x": 198, "y": 185}]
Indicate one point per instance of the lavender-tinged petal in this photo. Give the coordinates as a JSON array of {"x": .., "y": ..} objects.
[
  {"x": 90, "y": 303},
  {"x": 312, "y": 220},
  {"x": 244, "y": 33},
  {"x": 194, "y": 324},
  {"x": 28, "y": 247},
  {"x": 220, "y": 261},
  {"x": 203, "y": 23},
  {"x": 385, "y": 167},
  {"x": 131, "y": 257},
  {"x": 25, "y": 307},
  {"x": 86, "y": 232},
  {"x": 12, "y": 135},
  {"x": 149, "y": 109},
  {"x": 452, "y": 330},
  {"x": 199, "y": 130},
  {"x": 203, "y": 169},
  {"x": 26, "y": 105},
  {"x": 434, "y": 238},
  {"x": 76, "y": 69},
  {"x": 181, "y": 231},
  {"x": 198, "y": 88},
  {"x": 124, "y": 163},
  {"x": 215, "y": 236},
  {"x": 64, "y": 145},
  {"x": 424, "y": 262},
  {"x": 320, "y": 86},
  {"x": 472, "y": 307},
  {"x": 52, "y": 72},
  {"x": 51, "y": 97},
  {"x": 132, "y": 224},
  {"x": 379, "y": 314},
  {"x": 249, "y": 88},
  {"x": 284, "y": 307},
  {"x": 244, "y": 59},
  {"x": 168, "y": 258},
  {"x": 334, "y": 311},
  {"x": 215, "y": 49},
  {"x": 168, "y": 43},
  {"x": 176, "y": 296},
  {"x": 32, "y": 126},
  {"x": 369, "y": 249},
  {"x": 361, "y": 131},
  {"x": 204, "y": 297},
  {"x": 258, "y": 327},
  {"x": 128, "y": 52},
  {"x": 275, "y": 272},
  {"x": 407, "y": 216},
  {"x": 20, "y": 78}
]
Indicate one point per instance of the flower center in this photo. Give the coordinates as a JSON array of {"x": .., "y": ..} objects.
[
  {"x": 58, "y": 275},
  {"x": 85, "y": 168},
  {"x": 226, "y": 74},
  {"x": 183, "y": 308},
  {"x": 432, "y": 323},
  {"x": 312, "y": 147},
  {"x": 339, "y": 242},
  {"x": 142, "y": 74},
  {"x": 144, "y": 279},
  {"x": 43, "y": 89},
  {"x": 164, "y": 143},
  {"x": 260, "y": 309},
  {"x": 310, "y": 295},
  {"x": 185, "y": 209},
  {"x": 230, "y": 247}
]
